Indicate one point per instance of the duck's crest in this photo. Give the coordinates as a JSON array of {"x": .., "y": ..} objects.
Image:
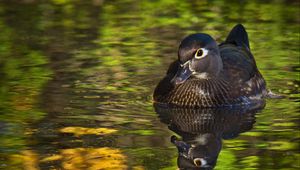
[{"x": 239, "y": 36}]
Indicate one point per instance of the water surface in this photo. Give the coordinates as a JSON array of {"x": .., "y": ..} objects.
[{"x": 77, "y": 79}]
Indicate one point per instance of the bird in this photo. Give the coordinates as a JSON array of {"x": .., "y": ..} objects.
[{"x": 207, "y": 74}]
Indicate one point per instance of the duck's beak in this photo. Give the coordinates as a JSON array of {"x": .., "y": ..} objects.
[
  {"x": 183, "y": 147},
  {"x": 183, "y": 73}
]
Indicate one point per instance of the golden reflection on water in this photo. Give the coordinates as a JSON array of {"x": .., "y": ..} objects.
[
  {"x": 76, "y": 158},
  {"x": 79, "y": 131},
  {"x": 104, "y": 158}
]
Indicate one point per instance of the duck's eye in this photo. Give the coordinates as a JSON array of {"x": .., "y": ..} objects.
[
  {"x": 199, "y": 162},
  {"x": 200, "y": 53}
]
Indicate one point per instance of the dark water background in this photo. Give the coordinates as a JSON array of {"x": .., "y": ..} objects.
[{"x": 76, "y": 80}]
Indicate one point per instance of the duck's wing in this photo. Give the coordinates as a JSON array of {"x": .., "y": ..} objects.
[
  {"x": 237, "y": 59},
  {"x": 239, "y": 64}
]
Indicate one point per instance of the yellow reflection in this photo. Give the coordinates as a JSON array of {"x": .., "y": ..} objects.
[
  {"x": 52, "y": 158},
  {"x": 28, "y": 158},
  {"x": 90, "y": 159},
  {"x": 77, "y": 158},
  {"x": 79, "y": 131}
]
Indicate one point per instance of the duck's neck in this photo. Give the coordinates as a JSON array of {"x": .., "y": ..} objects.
[
  {"x": 215, "y": 65},
  {"x": 203, "y": 75}
]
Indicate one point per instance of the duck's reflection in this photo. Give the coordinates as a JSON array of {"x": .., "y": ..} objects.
[{"x": 202, "y": 131}]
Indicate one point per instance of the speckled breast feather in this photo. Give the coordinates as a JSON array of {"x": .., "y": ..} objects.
[{"x": 200, "y": 93}]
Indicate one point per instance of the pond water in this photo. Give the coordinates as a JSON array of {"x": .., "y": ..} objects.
[{"x": 77, "y": 77}]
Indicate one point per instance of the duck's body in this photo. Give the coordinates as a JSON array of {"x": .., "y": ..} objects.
[{"x": 225, "y": 76}]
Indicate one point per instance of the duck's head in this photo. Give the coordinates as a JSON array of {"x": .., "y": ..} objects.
[
  {"x": 200, "y": 155},
  {"x": 198, "y": 56}
]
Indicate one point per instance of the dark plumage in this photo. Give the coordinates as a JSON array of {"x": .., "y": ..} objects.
[
  {"x": 211, "y": 75},
  {"x": 202, "y": 130}
]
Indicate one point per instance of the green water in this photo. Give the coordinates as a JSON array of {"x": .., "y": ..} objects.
[{"x": 76, "y": 81}]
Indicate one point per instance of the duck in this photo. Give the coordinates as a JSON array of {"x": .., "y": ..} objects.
[{"x": 207, "y": 74}]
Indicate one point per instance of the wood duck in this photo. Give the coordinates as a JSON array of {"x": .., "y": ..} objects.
[{"x": 210, "y": 75}]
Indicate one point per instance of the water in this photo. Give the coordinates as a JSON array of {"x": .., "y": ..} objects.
[{"x": 77, "y": 79}]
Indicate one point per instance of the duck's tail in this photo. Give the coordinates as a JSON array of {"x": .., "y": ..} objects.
[
  {"x": 238, "y": 36},
  {"x": 271, "y": 95}
]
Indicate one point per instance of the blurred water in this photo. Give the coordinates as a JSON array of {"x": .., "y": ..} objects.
[{"x": 77, "y": 79}]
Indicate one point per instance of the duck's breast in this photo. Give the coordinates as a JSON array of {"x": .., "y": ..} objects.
[{"x": 197, "y": 93}]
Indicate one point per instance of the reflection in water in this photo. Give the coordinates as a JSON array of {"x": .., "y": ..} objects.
[
  {"x": 202, "y": 131},
  {"x": 90, "y": 158}
]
